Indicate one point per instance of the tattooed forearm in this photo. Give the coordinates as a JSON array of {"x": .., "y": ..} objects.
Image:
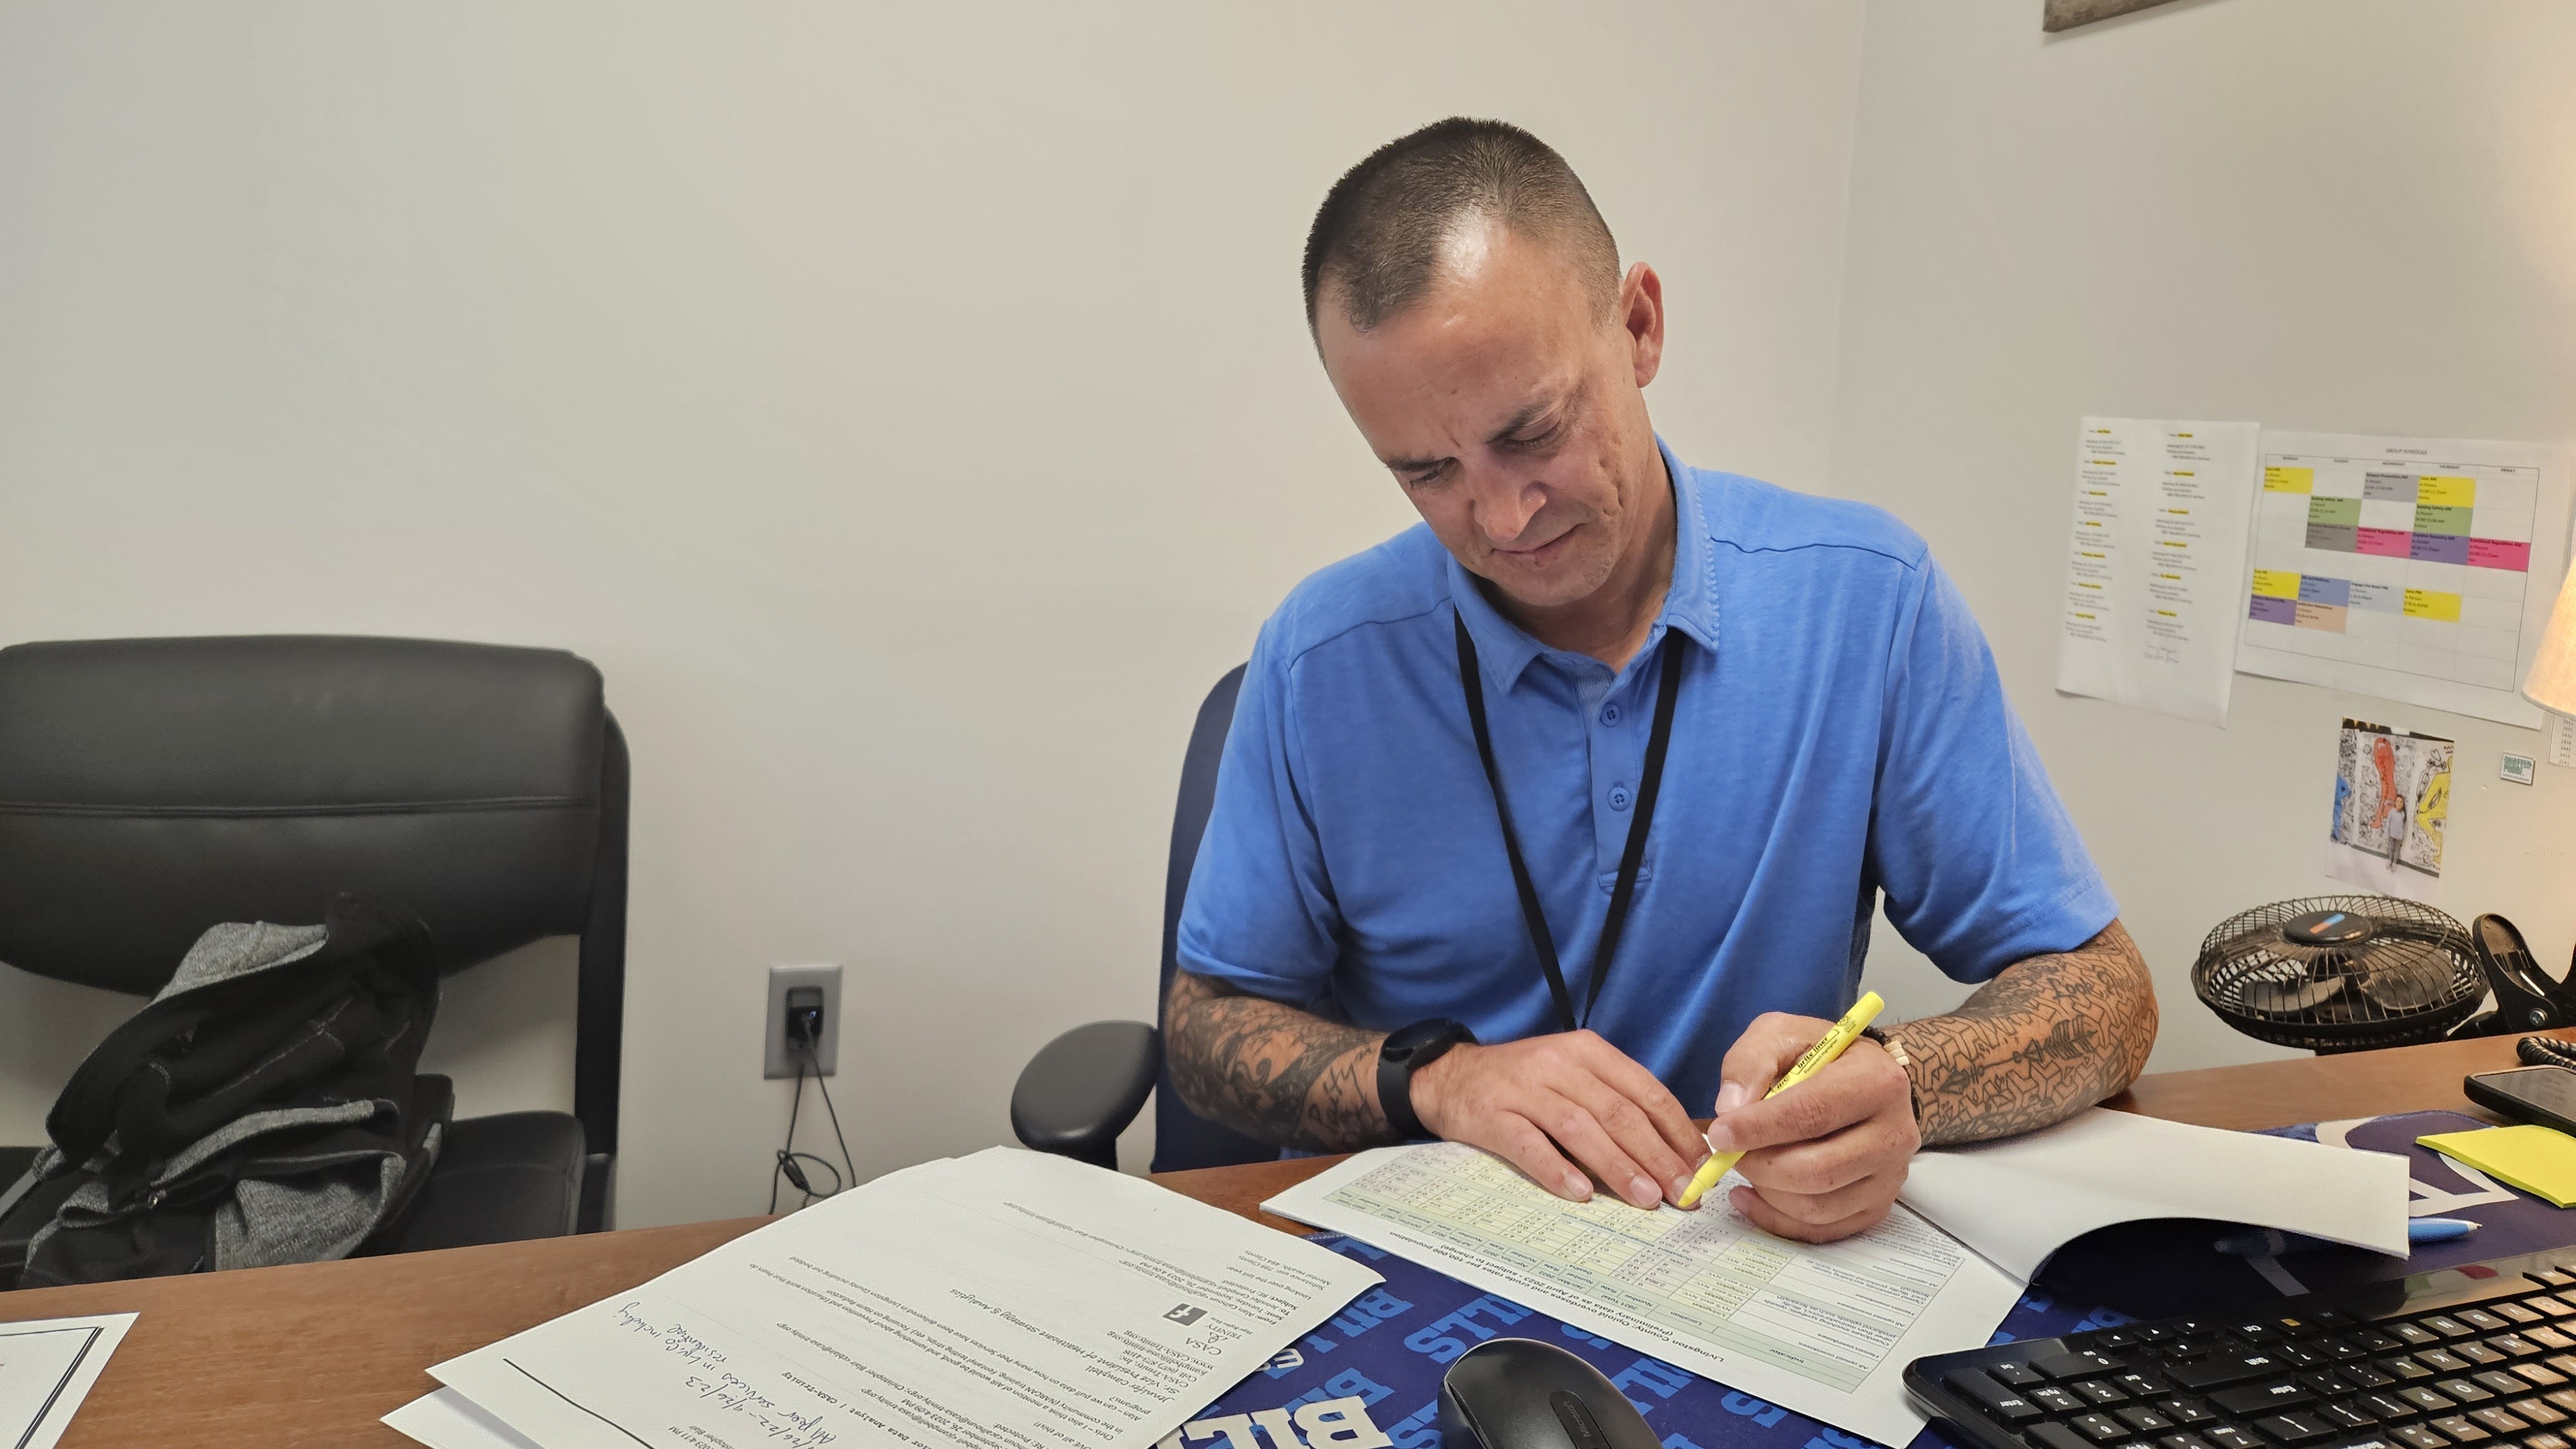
[
  {"x": 2045, "y": 1039},
  {"x": 1271, "y": 1071}
]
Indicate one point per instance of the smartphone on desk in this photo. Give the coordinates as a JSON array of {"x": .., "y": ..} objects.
[{"x": 2546, "y": 1095}]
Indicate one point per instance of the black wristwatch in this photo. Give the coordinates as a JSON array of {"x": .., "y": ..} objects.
[{"x": 1408, "y": 1050}]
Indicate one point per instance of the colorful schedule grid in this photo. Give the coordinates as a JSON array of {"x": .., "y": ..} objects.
[{"x": 2419, "y": 566}]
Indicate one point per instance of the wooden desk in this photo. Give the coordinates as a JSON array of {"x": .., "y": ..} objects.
[{"x": 314, "y": 1355}]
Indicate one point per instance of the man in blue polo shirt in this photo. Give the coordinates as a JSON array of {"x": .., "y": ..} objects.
[{"x": 1565, "y": 814}]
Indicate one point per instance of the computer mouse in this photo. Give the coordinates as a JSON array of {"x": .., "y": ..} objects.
[{"x": 1519, "y": 1393}]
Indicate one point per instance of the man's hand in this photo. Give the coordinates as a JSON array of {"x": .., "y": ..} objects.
[
  {"x": 1825, "y": 1157},
  {"x": 1537, "y": 1102}
]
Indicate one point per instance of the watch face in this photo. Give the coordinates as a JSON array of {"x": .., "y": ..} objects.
[{"x": 1408, "y": 1040}]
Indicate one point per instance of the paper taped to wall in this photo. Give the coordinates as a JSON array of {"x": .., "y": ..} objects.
[
  {"x": 2415, "y": 569},
  {"x": 2155, "y": 554}
]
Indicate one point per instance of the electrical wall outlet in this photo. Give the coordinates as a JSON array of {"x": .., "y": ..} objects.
[{"x": 778, "y": 1059}]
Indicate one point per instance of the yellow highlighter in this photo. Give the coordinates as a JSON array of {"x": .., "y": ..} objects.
[{"x": 1818, "y": 1057}]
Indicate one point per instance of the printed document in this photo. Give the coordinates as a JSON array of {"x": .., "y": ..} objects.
[
  {"x": 46, "y": 1369},
  {"x": 1007, "y": 1300},
  {"x": 1826, "y": 1331},
  {"x": 2417, "y": 569},
  {"x": 2154, "y": 562}
]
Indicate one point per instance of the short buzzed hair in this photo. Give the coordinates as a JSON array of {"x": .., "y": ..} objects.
[{"x": 1380, "y": 233}]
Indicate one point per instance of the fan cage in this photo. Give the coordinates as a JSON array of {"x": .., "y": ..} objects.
[{"x": 2413, "y": 980}]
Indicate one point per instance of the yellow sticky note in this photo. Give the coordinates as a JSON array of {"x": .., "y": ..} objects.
[
  {"x": 2446, "y": 491},
  {"x": 2539, "y": 1160}
]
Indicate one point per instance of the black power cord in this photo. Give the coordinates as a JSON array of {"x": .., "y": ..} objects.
[{"x": 804, "y": 1030}]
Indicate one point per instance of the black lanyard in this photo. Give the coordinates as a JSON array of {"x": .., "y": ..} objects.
[{"x": 1471, "y": 680}]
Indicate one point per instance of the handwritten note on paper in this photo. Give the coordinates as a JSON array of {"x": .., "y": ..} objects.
[{"x": 2154, "y": 560}]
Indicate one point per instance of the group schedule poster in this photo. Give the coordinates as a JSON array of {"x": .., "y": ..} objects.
[{"x": 2408, "y": 568}]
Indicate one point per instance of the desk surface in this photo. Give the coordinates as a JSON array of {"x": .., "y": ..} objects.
[{"x": 220, "y": 1360}]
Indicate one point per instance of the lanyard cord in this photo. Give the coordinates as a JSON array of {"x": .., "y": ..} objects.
[{"x": 1471, "y": 682}]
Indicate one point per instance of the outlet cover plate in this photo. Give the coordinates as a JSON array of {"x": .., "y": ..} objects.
[{"x": 775, "y": 1058}]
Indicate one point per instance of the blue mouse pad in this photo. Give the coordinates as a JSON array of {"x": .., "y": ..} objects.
[{"x": 1389, "y": 1347}]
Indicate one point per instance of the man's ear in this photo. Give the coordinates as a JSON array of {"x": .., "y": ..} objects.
[{"x": 1641, "y": 316}]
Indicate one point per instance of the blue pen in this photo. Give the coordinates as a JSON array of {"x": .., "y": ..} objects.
[{"x": 2272, "y": 1242}]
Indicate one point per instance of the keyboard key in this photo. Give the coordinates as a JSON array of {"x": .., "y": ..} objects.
[
  {"x": 2182, "y": 1441},
  {"x": 2114, "y": 1338},
  {"x": 2223, "y": 1368},
  {"x": 2442, "y": 1359},
  {"x": 2341, "y": 1349},
  {"x": 2184, "y": 1411},
  {"x": 2327, "y": 1384},
  {"x": 2228, "y": 1436},
  {"x": 2563, "y": 1398},
  {"x": 2447, "y": 1326},
  {"x": 2014, "y": 1375},
  {"x": 2549, "y": 1338},
  {"x": 2350, "y": 1415},
  {"x": 2503, "y": 1383},
  {"x": 2498, "y": 1420},
  {"x": 2139, "y": 1385},
  {"x": 2479, "y": 1353},
  {"x": 2145, "y": 1421},
  {"x": 2459, "y": 1430},
  {"x": 2538, "y": 1411},
  {"x": 1997, "y": 1401},
  {"x": 2425, "y": 1399},
  {"x": 2387, "y": 1408},
  {"x": 2076, "y": 1364},
  {"x": 2297, "y": 1427},
  {"x": 2565, "y": 1363},
  {"x": 2376, "y": 1341},
  {"x": 2478, "y": 1318},
  {"x": 2254, "y": 1330},
  {"x": 2413, "y": 1333},
  {"x": 2552, "y": 1277},
  {"x": 2465, "y": 1392},
  {"x": 2517, "y": 1313},
  {"x": 2299, "y": 1355},
  {"x": 2258, "y": 1398},
  {"x": 2513, "y": 1345},
  {"x": 2414, "y": 1436},
  {"x": 2055, "y": 1436},
  {"x": 2100, "y": 1428},
  {"x": 2544, "y": 1440},
  {"x": 2289, "y": 1327},
  {"x": 2552, "y": 1307},
  {"x": 2099, "y": 1392},
  {"x": 2405, "y": 1368},
  {"x": 2363, "y": 1376},
  {"x": 2056, "y": 1400}
]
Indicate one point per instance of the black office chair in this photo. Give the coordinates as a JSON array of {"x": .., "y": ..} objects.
[
  {"x": 150, "y": 788},
  {"x": 1082, "y": 1089}
]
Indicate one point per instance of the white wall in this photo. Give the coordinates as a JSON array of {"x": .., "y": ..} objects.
[
  {"x": 2343, "y": 215},
  {"x": 906, "y": 406}
]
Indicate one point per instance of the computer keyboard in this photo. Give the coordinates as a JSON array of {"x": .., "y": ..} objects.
[{"x": 2483, "y": 1355}]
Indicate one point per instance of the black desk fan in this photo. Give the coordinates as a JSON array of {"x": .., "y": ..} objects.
[{"x": 2353, "y": 973}]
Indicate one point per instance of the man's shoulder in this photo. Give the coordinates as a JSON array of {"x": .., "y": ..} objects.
[
  {"x": 1402, "y": 579},
  {"x": 1751, "y": 517}
]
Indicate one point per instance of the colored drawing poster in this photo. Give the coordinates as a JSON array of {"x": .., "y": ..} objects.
[
  {"x": 2392, "y": 805},
  {"x": 2408, "y": 568},
  {"x": 2154, "y": 564}
]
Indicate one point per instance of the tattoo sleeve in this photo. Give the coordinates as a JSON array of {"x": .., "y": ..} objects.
[
  {"x": 2045, "y": 1039},
  {"x": 1271, "y": 1071}
]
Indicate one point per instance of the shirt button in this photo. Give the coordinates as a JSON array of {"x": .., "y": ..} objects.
[
  {"x": 1618, "y": 797},
  {"x": 1609, "y": 714}
]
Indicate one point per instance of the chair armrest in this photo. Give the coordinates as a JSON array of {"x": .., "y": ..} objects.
[{"x": 1083, "y": 1088}]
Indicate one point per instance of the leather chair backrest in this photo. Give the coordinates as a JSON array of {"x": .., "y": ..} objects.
[
  {"x": 150, "y": 788},
  {"x": 1183, "y": 1138}
]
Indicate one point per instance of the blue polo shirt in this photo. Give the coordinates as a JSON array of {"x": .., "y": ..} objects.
[{"x": 1841, "y": 732}]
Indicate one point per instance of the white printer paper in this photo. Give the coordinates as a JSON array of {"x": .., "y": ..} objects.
[
  {"x": 1003, "y": 1299},
  {"x": 1826, "y": 1331},
  {"x": 2155, "y": 564},
  {"x": 46, "y": 1369},
  {"x": 2018, "y": 1200}
]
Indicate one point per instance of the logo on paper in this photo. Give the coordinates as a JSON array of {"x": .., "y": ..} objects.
[{"x": 1185, "y": 1315}]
